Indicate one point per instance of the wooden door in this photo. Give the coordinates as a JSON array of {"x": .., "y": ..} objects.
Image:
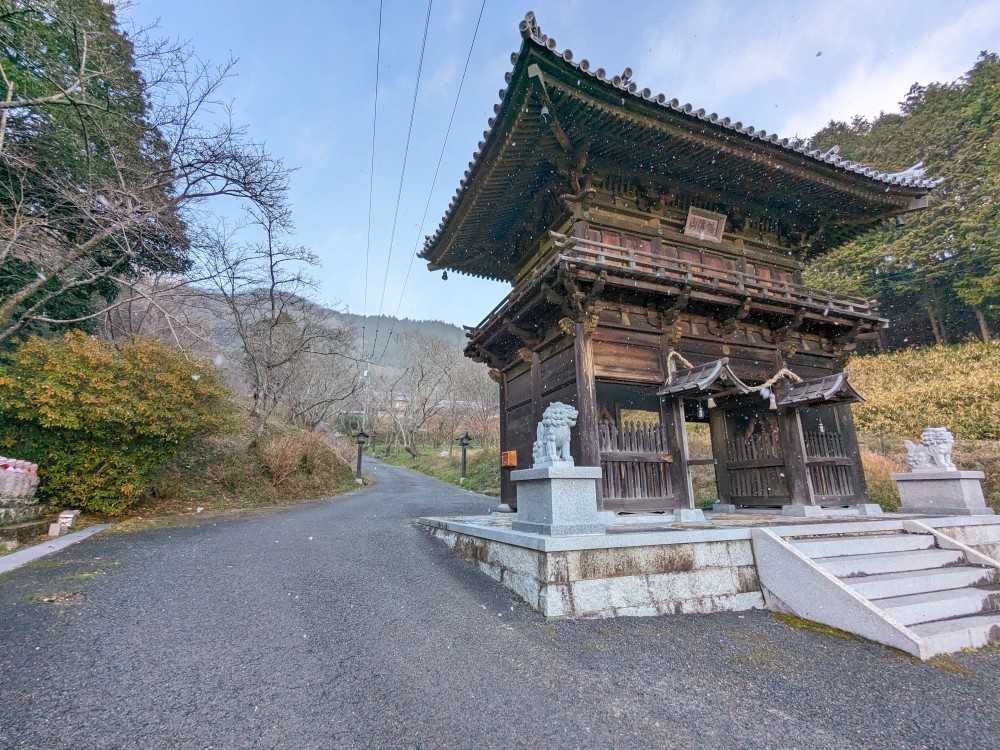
[
  {"x": 751, "y": 459},
  {"x": 637, "y": 467},
  {"x": 831, "y": 457}
]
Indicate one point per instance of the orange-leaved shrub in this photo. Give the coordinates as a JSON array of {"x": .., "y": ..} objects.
[{"x": 100, "y": 420}]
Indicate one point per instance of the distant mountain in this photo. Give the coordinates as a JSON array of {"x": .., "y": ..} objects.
[{"x": 400, "y": 331}]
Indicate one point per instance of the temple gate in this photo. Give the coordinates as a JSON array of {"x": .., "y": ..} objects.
[{"x": 655, "y": 253}]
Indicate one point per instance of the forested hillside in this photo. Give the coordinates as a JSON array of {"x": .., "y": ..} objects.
[
  {"x": 936, "y": 273},
  {"x": 387, "y": 336}
]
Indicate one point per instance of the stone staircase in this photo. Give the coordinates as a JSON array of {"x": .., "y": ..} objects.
[{"x": 932, "y": 594}]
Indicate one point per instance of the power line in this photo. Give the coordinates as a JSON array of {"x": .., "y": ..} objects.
[
  {"x": 437, "y": 169},
  {"x": 402, "y": 174},
  {"x": 371, "y": 179}
]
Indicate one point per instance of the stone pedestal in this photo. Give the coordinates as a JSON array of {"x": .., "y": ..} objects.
[
  {"x": 942, "y": 493},
  {"x": 557, "y": 500},
  {"x": 801, "y": 511}
]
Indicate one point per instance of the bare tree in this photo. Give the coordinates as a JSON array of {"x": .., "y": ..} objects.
[
  {"x": 479, "y": 396},
  {"x": 418, "y": 394},
  {"x": 291, "y": 350},
  {"x": 118, "y": 227}
]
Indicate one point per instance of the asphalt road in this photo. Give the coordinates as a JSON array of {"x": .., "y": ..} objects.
[{"x": 342, "y": 624}]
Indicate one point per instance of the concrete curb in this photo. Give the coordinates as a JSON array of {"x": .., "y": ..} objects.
[{"x": 24, "y": 556}]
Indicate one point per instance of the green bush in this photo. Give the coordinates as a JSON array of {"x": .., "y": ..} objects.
[{"x": 99, "y": 421}]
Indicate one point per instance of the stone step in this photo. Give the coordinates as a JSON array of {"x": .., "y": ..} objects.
[
  {"x": 940, "y": 605},
  {"x": 948, "y": 636},
  {"x": 890, "y": 562},
  {"x": 888, "y": 585},
  {"x": 861, "y": 545}
]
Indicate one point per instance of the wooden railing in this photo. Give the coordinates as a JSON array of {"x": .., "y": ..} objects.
[
  {"x": 699, "y": 275},
  {"x": 756, "y": 468},
  {"x": 830, "y": 469},
  {"x": 636, "y": 465},
  {"x": 824, "y": 444}
]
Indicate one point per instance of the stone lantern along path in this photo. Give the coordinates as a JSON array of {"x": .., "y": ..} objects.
[{"x": 21, "y": 517}]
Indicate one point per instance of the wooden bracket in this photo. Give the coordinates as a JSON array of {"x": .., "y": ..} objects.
[
  {"x": 669, "y": 315},
  {"x": 479, "y": 354},
  {"x": 495, "y": 375},
  {"x": 529, "y": 339},
  {"x": 729, "y": 324},
  {"x": 674, "y": 333},
  {"x": 793, "y": 326}
]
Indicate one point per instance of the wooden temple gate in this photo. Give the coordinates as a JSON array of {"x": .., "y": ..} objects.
[{"x": 653, "y": 247}]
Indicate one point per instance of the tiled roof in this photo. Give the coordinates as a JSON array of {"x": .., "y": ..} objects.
[
  {"x": 828, "y": 389},
  {"x": 702, "y": 377},
  {"x": 532, "y": 34}
]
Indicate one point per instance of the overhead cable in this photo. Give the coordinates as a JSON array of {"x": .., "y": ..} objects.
[
  {"x": 371, "y": 179},
  {"x": 402, "y": 174}
]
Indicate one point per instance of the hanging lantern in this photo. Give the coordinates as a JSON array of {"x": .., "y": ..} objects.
[
  {"x": 772, "y": 402},
  {"x": 701, "y": 411},
  {"x": 822, "y": 428}
]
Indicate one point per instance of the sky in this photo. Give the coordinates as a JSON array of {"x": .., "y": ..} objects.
[{"x": 305, "y": 85}]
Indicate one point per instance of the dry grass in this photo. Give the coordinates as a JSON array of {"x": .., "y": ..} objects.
[
  {"x": 227, "y": 472},
  {"x": 881, "y": 488},
  {"x": 287, "y": 455},
  {"x": 955, "y": 386}
]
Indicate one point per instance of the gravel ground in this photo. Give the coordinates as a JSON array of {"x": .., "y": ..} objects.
[{"x": 342, "y": 624}]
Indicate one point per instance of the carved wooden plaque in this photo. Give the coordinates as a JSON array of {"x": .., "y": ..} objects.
[{"x": 705, "y": 225}]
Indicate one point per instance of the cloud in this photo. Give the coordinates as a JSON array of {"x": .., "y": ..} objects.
[{"x": 880, "y": 79}]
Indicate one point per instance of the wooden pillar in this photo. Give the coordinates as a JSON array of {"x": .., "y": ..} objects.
[
  {"x": 793, "y": 445},
  {"x": 849, "y": 436},
  {"x": 586, "y": 395},
  {"x": 717, "y": 431},
  {"x": 672, "y": 417},
  {"x": 536, "y": 389},
  {"x": 507, "y": 493}
]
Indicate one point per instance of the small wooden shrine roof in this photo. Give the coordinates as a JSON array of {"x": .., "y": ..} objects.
[
  {"x": 557, "y": 117},
  {"x": 701, "y": 378},
  {"x": 831, "y": 389}
]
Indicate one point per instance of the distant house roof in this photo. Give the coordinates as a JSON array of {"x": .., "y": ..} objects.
[{"x": 553, "y": 104}]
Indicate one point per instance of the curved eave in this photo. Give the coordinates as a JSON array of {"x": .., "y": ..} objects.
[{"x": 475, "y": 192}]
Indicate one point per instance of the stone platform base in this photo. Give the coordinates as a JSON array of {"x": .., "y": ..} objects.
[
  {"x": 13, "y": 514},
  {"x": 958, "y": 493},
  {"x": 633, "y": 570},
  {"x": 642, "y": 580}
]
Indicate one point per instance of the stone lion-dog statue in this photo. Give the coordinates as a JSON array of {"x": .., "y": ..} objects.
[
  {"x": 933, "y": 452},
  {"x": 552, "y": 445}
]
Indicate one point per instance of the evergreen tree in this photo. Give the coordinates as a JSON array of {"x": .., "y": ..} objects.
[{"x": 937, "y": 272}]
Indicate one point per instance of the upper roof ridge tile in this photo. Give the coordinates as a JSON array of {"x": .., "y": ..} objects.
[{"x": 531, "y": 30}]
